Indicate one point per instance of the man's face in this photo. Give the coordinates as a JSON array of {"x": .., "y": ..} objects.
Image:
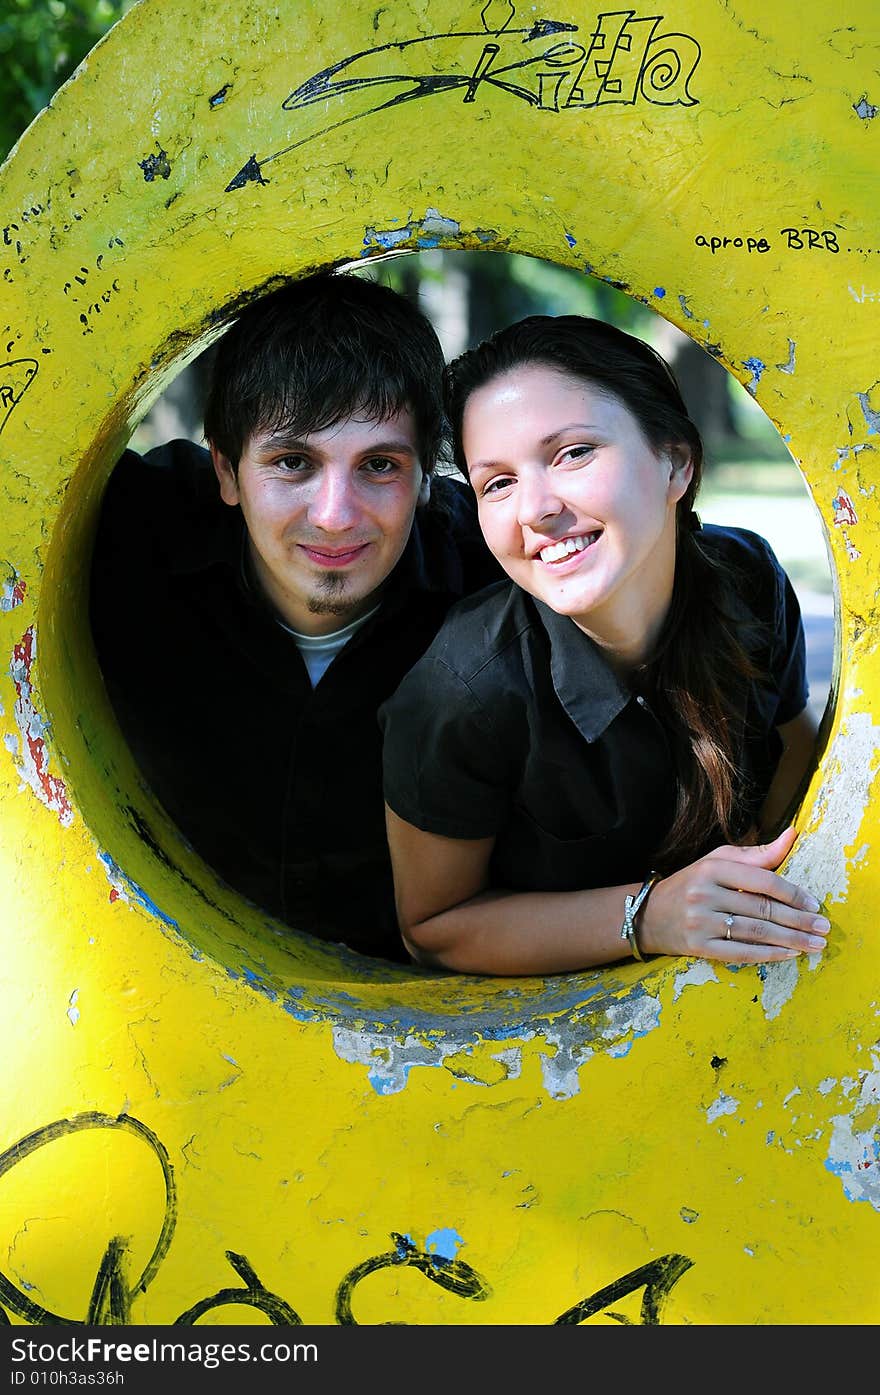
[{"x": 328, "y": 514}]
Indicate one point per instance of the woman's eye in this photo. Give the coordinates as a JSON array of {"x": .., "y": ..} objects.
[
  {"x": 575, "y": 455},
  {"x": 499, "y": 483}
]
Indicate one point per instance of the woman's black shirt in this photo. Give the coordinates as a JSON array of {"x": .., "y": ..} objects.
[{"x": 513, "y": 725}]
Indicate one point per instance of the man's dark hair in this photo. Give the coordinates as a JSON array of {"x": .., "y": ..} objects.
[{"x": 318, "y": 351}]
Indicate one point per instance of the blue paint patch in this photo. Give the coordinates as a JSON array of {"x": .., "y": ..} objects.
[
  {"x": 445, "y": 1244},
  {"x": 756, "y": 367},
  {"x": 254, "y": 981},
  {"x": 572, "y": 241},
  {"x": 137, "y": 894},
  {"x": 659, "y": 292}
]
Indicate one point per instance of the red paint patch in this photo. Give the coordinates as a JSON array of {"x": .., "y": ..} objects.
[{"x": 31, "y": 725}]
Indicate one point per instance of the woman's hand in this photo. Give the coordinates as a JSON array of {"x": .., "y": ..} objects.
[{"x": 732, "y": 906}]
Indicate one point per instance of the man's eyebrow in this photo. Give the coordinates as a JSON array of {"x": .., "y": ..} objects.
[{"x": 280, "y": 440}]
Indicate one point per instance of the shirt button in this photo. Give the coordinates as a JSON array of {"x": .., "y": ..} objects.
[{"x": 641, "y": 701}]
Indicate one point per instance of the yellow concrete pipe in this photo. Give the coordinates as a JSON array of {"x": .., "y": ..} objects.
[{"x": 194, "y": 1101}]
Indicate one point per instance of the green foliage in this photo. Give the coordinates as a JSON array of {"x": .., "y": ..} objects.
[{"x": 41, "y": 43}]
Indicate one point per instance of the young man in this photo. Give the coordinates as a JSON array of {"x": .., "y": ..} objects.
[{"x": 253, "y": 606}]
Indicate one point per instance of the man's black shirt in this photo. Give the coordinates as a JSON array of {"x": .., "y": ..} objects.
[
  {"x": 275, "y": 784},
  {"x": 514, "y": 726}
]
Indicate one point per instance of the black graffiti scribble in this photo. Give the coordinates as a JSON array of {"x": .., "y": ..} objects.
[
  {"x": 624, "y": 59},
  {"x": 16, "y": 377},
  {"x": 453, "y": 1275},
  {"x": 112, "y": 1295},
  {"x": 111, "y": 1298},
  {"x": 659, "y": 1278},
  {"x": 253, "y": 1295}
]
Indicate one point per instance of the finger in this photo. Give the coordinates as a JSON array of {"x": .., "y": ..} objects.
[
  {"x": 759, "y": 881},
  {"x": 769, "y": 933},
  {"x": 768, "y": 910},
  {"x": 761, "y": 854}
]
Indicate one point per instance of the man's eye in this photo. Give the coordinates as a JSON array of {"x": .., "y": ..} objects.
[
  {"x": 291, "y": 464},
  {"x": 380, "y": 465}
]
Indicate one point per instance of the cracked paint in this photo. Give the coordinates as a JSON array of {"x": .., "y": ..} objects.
[{"x": 33, "y": 760}]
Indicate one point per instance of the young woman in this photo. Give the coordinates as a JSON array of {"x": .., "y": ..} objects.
[{"x": 585, "y": 762}]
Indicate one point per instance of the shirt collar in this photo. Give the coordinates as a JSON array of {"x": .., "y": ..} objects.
[{"x": 585, "y": 683}]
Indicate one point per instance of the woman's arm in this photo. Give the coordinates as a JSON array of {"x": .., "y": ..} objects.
[
  {"x": 798, "y": 755},
  {"x": 450, "y": 917}
]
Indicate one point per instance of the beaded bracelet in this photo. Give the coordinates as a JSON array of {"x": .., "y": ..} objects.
[{"x": 631, "y": 907}]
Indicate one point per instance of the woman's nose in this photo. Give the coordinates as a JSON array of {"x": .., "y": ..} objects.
[{"x": 537, "y": 500}]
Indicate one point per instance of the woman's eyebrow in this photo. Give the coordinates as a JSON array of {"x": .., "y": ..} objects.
[{"x": 563, "y": 430}]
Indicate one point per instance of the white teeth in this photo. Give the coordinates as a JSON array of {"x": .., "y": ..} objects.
[{"x": 556, "y": 551}]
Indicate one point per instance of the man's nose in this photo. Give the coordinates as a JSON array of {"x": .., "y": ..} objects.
[
  {"x": 537, "y": 500},
  {"x": 333, "y": 504}
]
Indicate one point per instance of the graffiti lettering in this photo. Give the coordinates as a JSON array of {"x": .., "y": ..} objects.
[
  {"x": 15, "y": 378},
  {"x": 114, "y": 1293},
  {"x": 623, "y": 60}
]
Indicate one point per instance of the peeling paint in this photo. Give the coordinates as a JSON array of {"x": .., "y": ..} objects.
[
  {"x": 12, "y": 589},
  {"x": 865, "y": 109},
  {"x": 390, "y": 1055},
  {"x": 724, "y": 1104},
  {"x": 424, "y": 233},
  {"x": 780, "y": 981},
  {"x": 818, "y": 861},
  {"x": 73, "y": 1010},
  {"x": 756, "y": 367},
  {"x": 698, "y": 972},
  {"x": 33, "y": 761},
  {"x": 445, "y": 1243},
  {"x": 855, "y": 1142},
  {"x": 871, "y": 415},
  {"x": 122, "y": 888},
  {"x": 789, "y": 365}
]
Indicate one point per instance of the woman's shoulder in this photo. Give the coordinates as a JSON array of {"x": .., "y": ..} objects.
[
  {"x": 736, "y": 545},
  {"x": 481, "y": 627},
  {"x": 757, "y": 585}
]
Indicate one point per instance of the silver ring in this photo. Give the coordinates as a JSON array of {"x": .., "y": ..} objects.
[{"x": 728, "y": 921}]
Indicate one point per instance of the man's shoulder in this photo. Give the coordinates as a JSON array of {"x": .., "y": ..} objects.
[
  {"x": 170, "y": 493},
  {"x": 178, "y": 468},
  {"x": 452, "y": 543}
]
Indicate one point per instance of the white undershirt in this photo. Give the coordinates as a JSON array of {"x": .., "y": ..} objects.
[{"x": 319, "y": 651}]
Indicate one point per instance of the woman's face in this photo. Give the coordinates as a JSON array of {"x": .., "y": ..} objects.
[{"x": 576, "y": 505}]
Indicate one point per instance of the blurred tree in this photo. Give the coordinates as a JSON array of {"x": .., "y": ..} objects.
[{"x": 41, "y": 43}]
